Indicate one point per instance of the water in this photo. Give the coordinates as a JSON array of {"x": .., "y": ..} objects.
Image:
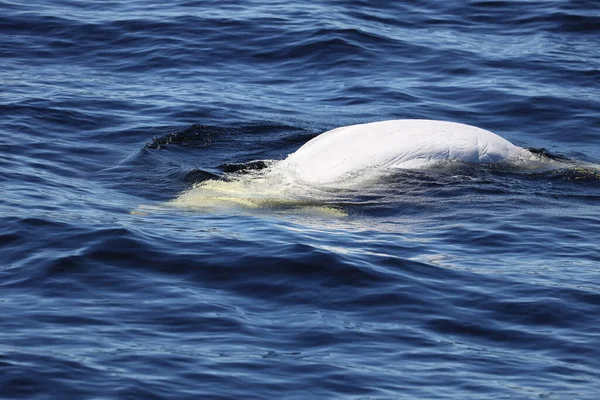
[{"x": 450, "y": 283}]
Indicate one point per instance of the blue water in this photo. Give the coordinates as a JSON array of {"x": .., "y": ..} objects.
[{"x": 473, "y": 282}]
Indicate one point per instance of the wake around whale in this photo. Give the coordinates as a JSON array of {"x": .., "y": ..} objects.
[{"x": 354, "y": 157}]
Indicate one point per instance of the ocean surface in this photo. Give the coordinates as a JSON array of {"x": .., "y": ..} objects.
[{"x": 453, "y": 282}]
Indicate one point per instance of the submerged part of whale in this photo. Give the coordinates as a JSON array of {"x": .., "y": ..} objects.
[{"x": 408, "y": 144}]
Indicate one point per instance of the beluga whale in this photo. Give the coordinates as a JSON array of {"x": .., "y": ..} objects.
[
  {"x": 352, "y": 159},
  {"x": 396, "y": 144}
]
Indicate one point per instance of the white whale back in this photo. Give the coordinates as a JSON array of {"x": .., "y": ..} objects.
[{"x": 337, "y": 153}]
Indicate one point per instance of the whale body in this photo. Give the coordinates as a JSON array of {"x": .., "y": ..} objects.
[
  {"x": 352, "y": 159},
  {"x": 407, "y": 144}
]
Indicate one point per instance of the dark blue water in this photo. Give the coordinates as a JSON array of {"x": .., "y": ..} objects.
[{"x": 473, "y": 282}]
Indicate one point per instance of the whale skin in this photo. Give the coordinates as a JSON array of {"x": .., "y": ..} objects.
[{"x": 406, "y": 144}]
